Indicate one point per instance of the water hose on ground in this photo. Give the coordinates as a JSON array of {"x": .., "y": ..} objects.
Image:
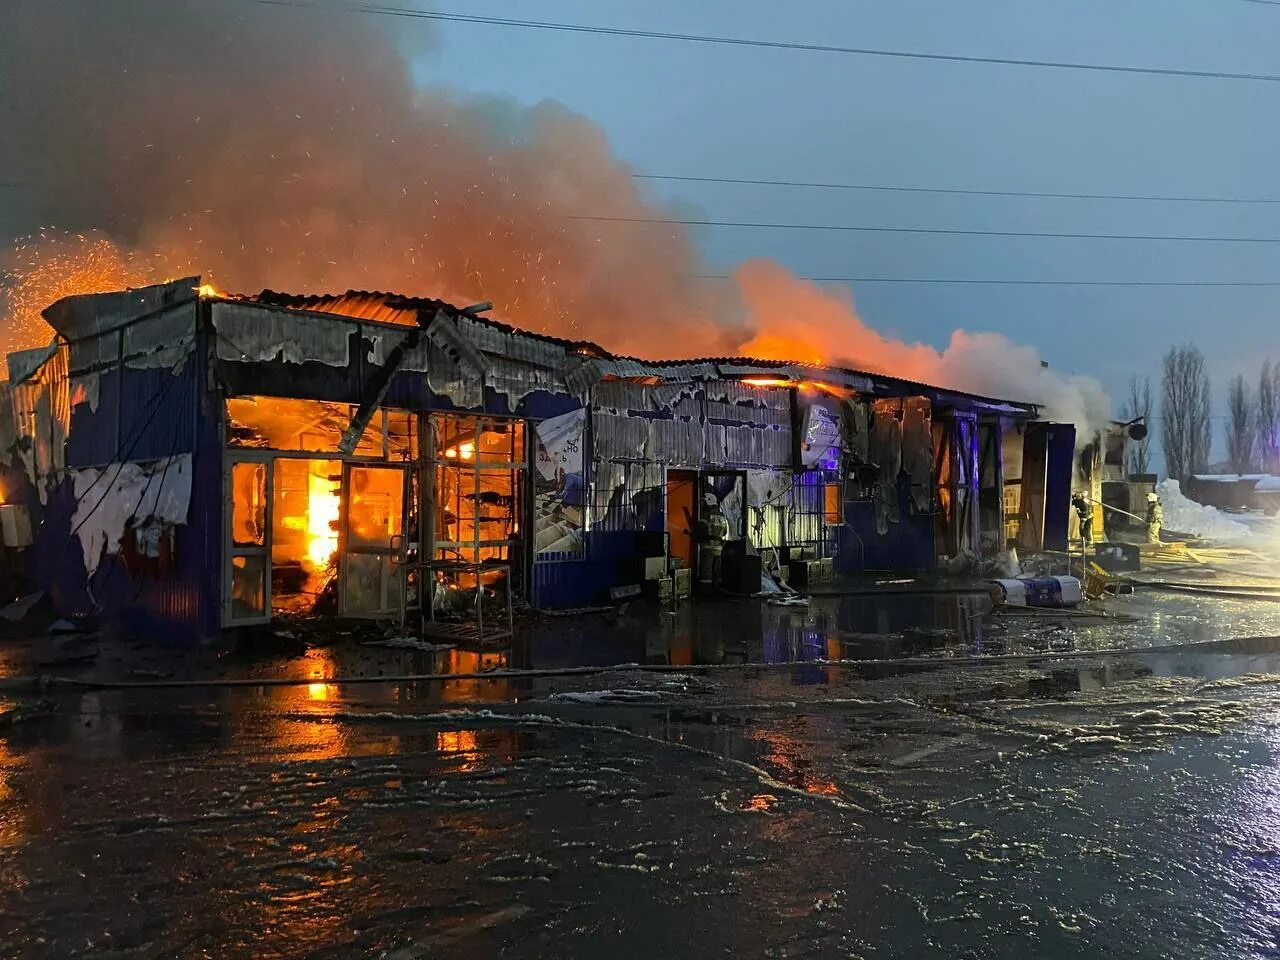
[{"x": 1209, "y": 646}]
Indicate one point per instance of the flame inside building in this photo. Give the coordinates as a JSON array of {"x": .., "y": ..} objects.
[
  {"x": 537, "y": 458},
  {"x": 395, "y": 458}
]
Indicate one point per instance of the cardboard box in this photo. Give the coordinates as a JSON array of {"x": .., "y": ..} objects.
[
  {"x": 642, "y": 569},
  {"x": 683, "y": 581},
  {"x": 804, "y": 573}
]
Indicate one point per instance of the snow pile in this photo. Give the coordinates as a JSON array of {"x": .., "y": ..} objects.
[{"x": 1186, "y": 516}]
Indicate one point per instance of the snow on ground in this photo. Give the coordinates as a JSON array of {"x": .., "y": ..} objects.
[{"x": 1182, "y": 515}]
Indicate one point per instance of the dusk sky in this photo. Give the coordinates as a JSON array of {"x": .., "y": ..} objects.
[
  {"x": 710, "y": 110},
  {"x": 696, "y": 109}
]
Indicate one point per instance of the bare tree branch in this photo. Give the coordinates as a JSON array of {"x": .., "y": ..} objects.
[
  {"x": 1138, "y": 406},
  {"x": 1268, "y": 417},
  {"x": 1185, "y": 408},
  {"x": 1242, "y": 420}
]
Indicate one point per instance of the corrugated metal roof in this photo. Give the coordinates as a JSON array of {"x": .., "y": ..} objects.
[
  {"x": 358, "y": 304},
  {"x": 399, "y": 308}
]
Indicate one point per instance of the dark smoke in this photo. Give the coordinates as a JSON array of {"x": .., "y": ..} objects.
[{"x": 286, "y": 146}]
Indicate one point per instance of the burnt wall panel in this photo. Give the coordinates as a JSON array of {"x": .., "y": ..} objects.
[
  {"x": 158, "y": 411},
  {"x": 177, "y": 602},
  {"x": 92, "y": 437},
  {"x": 308, "y": 380}
]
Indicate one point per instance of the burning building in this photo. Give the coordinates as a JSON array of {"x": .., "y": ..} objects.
[{"x": 190, "y": 461}]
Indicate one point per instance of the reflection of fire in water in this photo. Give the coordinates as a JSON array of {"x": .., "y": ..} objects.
[
  {"x": 322, "y": 518},
  {"x": 789, "y": 757},
  {"x": 469, "y": 661},
  {"x": 456, "y": 741},
  {"x": 320, "y": 667}
]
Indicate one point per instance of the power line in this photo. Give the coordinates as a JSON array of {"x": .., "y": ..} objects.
[
  {"x": 1029, "y": 283},
  {"x": 952, "y": 190},
  {"x": 390, "y": 11},
  {"x": 753, "y": 224}
]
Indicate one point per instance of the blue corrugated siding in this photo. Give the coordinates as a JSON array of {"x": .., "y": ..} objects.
[
  {"x": 578, "y": 583},
  {"x": 1057, "y": 484},
  {"x": 908, "y": 544},
  {"x": 91, "y": 438},
  {"x": 184, "y": 604},
  {"x": 157, "y": 410}
]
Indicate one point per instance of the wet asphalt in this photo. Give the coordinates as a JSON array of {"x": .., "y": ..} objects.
[{"x": 745, "y": 797}]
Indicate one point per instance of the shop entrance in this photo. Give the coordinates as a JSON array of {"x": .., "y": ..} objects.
[
  {"x": 682, "y": 514},
  {"x": 311, "y": 530},
  {"x": 373, "y": 533}
]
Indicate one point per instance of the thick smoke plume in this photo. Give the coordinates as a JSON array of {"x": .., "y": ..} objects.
[
  {"x": 800, "y": 319},
  {"x": 288, "y": 147}
]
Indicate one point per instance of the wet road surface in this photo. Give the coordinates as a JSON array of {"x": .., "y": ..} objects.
[{"x": 1122, "y": 807}]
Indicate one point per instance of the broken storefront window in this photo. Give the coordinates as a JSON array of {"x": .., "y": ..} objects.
[
  {"x": 316, "y": 426},
  {"x": 300, "y": 558},
  {"x": 479, "y": 479}
]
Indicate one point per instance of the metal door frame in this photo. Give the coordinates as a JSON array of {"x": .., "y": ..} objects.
[
  {"x": 344, "y": 512},
  {"x": 231, "y": 457}
]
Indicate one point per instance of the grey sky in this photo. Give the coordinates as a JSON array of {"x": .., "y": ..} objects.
[{"x": 701, "y": 110}]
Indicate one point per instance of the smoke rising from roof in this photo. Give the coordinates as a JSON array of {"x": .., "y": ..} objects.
[{"x": 286, "y": 147}]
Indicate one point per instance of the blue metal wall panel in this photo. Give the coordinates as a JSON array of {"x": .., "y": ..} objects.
[
  {"x": 182, "y": 605},
  {"x": 907, "y": 545},
  {"x": 157, "y": 410},
  {"x": 1061, "y": 440},
  {"x": 583, "y": 582},
  {"x": 91, "y": 438}
]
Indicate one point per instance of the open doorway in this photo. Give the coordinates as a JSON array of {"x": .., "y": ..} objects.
[
  {"x": 305, "y": 505},
  {"x": 682, "y": 514},
  {"x": 310, "y": 529}
]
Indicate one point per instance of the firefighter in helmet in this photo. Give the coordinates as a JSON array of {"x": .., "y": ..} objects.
[
  {"x": 1155, "y": 518},
  {"x": 1084, "y": 510},
  {"x": 712, "y": 531}
]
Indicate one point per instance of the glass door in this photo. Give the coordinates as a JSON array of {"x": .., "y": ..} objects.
[
  {"x": 373, "y": 528},
  {"x": 247, "y": 576}
]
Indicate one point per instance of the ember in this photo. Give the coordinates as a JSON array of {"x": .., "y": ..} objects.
[{"x": 53, "y": 265}]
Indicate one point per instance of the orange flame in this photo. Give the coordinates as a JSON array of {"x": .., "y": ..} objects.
[{"x": 322, "y": 518}]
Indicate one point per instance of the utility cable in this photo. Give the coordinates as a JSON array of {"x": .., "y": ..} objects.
[
  {"x": 855, "y": 228},
  {"x": 1024, "y": 283},
  {"x": 1168, "y": 198},
  {"x": 712, "y": 39}
]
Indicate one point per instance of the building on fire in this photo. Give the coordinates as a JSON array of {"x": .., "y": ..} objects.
[{"x": 184, "y": 462}]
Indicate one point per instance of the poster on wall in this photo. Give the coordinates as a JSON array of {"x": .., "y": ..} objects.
[
  {"x": 819, "y": 437},
  {"x": 560, "y": 487}
]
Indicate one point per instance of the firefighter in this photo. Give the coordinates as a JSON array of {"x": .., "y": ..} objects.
[
  {"x": 712, "y": 531},
  {"x": 1155, "y": 518},
  {"x": 1084, "y": 510}
]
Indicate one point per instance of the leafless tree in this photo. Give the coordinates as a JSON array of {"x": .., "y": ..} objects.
[
  {"x": 1185, "y": 410},
  {"x": 1242, "y": 425},
  {"x": 1138, "y": 405},
  {"x": 1268, "y": 417}
]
